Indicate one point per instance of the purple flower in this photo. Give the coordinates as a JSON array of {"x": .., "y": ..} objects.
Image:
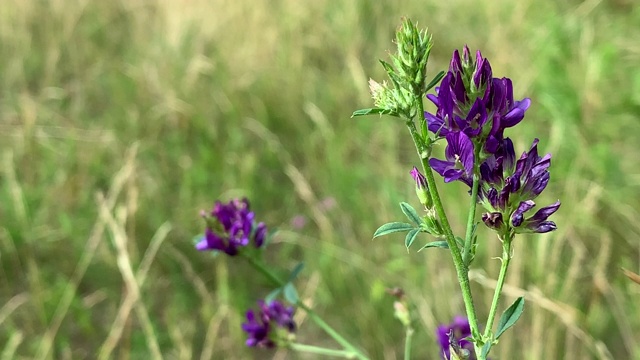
[
  {"x": 265, "y": 325},
  {"x": 230, "y": 227},
  {"x": 454, "y": 336},
  {"x": 471, "y": 100},
  {"x": 459, "y": 154},
  {"x": 508, "y": 189},
  {"x": 537, "y": 223}
]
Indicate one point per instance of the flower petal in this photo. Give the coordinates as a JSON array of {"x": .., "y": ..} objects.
[{"x": 518, "y": 216}]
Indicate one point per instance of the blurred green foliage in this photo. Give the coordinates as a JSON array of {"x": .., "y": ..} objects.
[{"x": 163, "y": 107}]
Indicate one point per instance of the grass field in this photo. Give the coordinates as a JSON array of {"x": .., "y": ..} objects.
[{"x": 120, "y": 120}]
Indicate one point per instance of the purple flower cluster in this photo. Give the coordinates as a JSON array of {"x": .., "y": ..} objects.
[
  {"x": 509, "y": 187},
  {"x": 230, "y": 227},
  {"x": 455, "y": 336},
  {"x": 473, "y": 110},
  {"x": 262, "y": 326},
  {"x": 472, "y": 102}
]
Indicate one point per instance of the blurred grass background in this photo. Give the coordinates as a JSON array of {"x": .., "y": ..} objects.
[{"x": 120, "y": 120}]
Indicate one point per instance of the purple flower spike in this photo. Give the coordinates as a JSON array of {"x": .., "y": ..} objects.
[
  {"x": 459, "y": 154},
  {"x": 507, "y": 185},
  {"x": 262, "y": 326},
  {"x": 230, "y": 227},
  {"x": 457, "y": 331}
]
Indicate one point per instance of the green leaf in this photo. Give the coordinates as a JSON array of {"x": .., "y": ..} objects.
[
  {"x": 296, "y": 270},
  {"x": 510, "y": 316},
  {"x": 372, "y": 111},
  {"x": 411, "y": 213},
  {"x": 291, "y": 294},
  {"x": 392, "y": 227},
  {"x": 435, "y": 80},
  {"x": 486, "y": 348},
  {"x": 387, "y": 67},
  {"x": 411, "y": 237},
  {"x": 435, "y": 244},
  {"x": 273, "y": 295}
]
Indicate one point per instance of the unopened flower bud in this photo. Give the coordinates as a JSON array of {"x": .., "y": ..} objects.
[
  {"x": 402, "y": 313},
  {"x": 422, "y": 190}
]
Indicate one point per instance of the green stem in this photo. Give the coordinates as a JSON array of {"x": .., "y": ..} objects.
[
  {"x": 322, "y": 351},
  {"x": 407, "y": 343},
  {"x": 462, "y": 270},
  {"x": 466, "y": 254},
  {"x": 337, "y": 337},
  {"x": 317, "y": 319},
  {"x": 506, "y": 257},
  {"x": 263, "y": 270}
]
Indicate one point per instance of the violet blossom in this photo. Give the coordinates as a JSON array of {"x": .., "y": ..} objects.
[
  {"x": 230, "y": 227},
  {"x": 263, "y": 326}
]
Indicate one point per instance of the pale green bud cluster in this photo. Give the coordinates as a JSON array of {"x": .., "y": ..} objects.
[
  {"x": 407, "y": 73},
  {"x": 414, "y": 47}
]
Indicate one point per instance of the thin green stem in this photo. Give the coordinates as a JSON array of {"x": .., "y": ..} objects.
[
  {"x": 263, "y": 270},
  {"x": 347, "y": 354},
  {"x": 466, "y": 254},
  {"x": 462, "y": 270},
  {"x": 506, "y": 257},
  {"x": 337, "y": 337},
  {"x": 407, "y": 343},
  {"x": 317, "y": 319}
]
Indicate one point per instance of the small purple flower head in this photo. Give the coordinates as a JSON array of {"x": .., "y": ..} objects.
[
  {"x": 269, "y": 325},
  {"x": 460, "y": 159},
  {"x": 454, "y": 336},
  {"x": 230, "y": 227},
  {"x": 509, "y": 187}
]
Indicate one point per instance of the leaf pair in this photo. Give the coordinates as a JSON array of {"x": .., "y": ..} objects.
[
  {"x": 288, "y": 289},
  {"x": 412, "y": 230}
]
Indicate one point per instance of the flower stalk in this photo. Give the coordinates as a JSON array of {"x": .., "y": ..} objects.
[
  {"x": 310, "y": 349},
  {"x": 505, "y": 259},
  {"x": 468, "y": 252},
  {"x": 407, "y": 342},
  {"x": 462, "y": 271}
]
